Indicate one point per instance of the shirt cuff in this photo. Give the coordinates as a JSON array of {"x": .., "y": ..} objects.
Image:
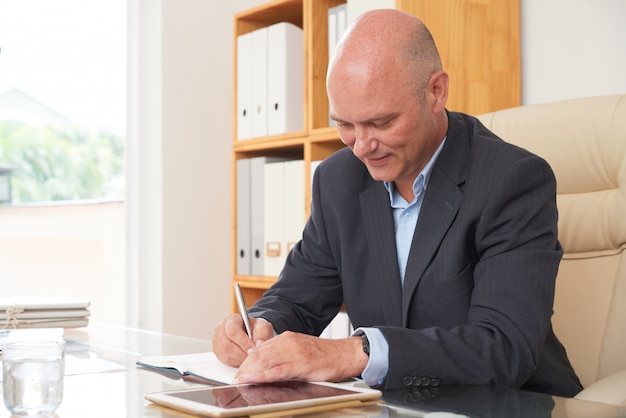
[{"x": 376, "y": 370}]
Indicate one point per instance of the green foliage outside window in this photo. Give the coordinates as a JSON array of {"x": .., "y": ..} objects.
[{"x": 61, "y": 163}]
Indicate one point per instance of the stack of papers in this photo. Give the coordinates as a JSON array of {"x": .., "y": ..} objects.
[{"x": 49, "y": 312}]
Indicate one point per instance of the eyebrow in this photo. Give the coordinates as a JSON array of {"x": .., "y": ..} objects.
[{"x": 370, "y": 120}]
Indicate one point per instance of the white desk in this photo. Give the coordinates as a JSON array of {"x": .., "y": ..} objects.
[{"x": 103, "y": 381}]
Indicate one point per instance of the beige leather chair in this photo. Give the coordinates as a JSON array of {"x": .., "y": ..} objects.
[{"x": 584, "y": 140}]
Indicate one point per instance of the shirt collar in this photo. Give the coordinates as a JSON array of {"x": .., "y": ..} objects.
[{"x": 421, "y": 181}]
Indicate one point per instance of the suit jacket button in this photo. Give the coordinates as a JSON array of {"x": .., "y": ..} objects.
[
  {"x": 425, "y": 381},
  {"x": 417, "y": 381},
  {"x": 407, "y": 380},
  {"x": 435, "y": 382}
]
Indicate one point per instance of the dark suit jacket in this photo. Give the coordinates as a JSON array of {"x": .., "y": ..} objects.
[{"x": 479, "y": 283}]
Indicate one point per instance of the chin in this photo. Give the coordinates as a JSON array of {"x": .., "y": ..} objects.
[{"x": 378, "y": 176}]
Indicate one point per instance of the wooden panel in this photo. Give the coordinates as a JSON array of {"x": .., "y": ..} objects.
[
  {"x": 316, "y": 47},
  {"x": 479, "y": 45}
]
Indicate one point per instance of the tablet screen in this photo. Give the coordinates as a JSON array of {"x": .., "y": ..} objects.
[{"x": 242, "y": 396}]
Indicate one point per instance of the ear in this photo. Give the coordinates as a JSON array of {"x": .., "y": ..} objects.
[{"x": 438, "y": 89}]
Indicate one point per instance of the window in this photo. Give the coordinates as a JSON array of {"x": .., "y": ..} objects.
[{"x": 63, "y": 98}]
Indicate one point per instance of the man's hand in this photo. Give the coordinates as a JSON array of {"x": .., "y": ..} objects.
[
  {"x": 299, "y": 356},
  {"x": 231, "y": 344}
]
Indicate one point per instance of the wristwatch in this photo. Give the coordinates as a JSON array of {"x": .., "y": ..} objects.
[{"x": 366, "y": 344}]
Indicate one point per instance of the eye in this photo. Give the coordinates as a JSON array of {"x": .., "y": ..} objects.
[
  {"x": 382, "y": 124},
  {"x": 344, "y": 125}
]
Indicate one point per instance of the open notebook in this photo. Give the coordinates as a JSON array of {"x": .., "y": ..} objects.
[{"x": 204, "y": 367}]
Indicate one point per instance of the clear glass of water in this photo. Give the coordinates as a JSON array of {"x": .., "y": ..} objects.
[{"x": 32, "y": 374}]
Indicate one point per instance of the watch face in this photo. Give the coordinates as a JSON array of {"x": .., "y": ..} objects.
[{"x": 366, "y": 344}]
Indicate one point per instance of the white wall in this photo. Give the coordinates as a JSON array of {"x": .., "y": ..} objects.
[
  {"x": 144, "y": 166},
  {"x": 572, "y": 48},
  {"x": 179, "y": 163},
  {"x": 180, "y": 148}
]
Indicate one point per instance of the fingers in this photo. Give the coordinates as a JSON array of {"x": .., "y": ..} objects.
[
  {"x": 230, "y": 341},
  {"x": 298, "y": 356},
  {"x": 280, "y": 358},
  {"x": 262, "y": 330}
]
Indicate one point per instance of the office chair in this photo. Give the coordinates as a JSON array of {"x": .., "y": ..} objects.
[{"x": 584, "y": 140}]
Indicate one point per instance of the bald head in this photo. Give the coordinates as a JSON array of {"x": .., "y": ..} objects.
[
  {"x": 387, "y": 93},
  {"x": 387, "y": 43}
]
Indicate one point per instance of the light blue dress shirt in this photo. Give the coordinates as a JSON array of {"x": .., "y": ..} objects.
[{"x": 405, "y": 215}]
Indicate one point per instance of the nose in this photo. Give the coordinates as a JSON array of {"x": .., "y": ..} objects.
[{"x": 364, "y": 141}]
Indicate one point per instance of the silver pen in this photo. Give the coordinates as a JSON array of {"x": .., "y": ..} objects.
[{"x": 241, "y": 304}]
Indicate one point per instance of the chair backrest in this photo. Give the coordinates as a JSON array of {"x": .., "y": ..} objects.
[{"x": 584, "y": 140}]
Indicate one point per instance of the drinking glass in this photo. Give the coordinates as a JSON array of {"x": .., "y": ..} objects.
[{"x": 32, "y": 373}]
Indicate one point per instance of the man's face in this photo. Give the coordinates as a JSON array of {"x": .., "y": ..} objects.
[{"x": 384, "y": 123}]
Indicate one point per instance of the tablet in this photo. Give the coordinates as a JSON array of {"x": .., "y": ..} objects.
[{"x": 251, "y": 399}]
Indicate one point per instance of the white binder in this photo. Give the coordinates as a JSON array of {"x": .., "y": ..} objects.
[
  {"x": 285, "y": 79},
  {"x": 244, "y": 86},
  {"x": 257, "y": 229},
  {"x": 274, "y": 216},
  {"x": 313, "y": 166},
  {"x": 342, "y": 20},
  {"x": 294, "y": 203},
  {"x": 332, "y": 30},
  {"x": 337, "y": 24},
  {"x": 259, "y": 82},
  {"x": 333, "y": 37},
  {"x": 273, "y": 202},
  {"x": 243, "y": 235}
]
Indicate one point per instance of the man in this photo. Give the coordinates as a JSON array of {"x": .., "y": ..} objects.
[{"x": 438, "y": 238}]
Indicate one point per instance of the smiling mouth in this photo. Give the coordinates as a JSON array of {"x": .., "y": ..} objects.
[{"x": 377, "y": 161}]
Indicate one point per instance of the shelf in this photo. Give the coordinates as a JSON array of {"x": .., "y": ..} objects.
[
  {"x": 287, "y": 143},
  {"x": 324, "y": 134},
  {"x": 252, "y": 288},
  {"x": 268, "y": 14}
]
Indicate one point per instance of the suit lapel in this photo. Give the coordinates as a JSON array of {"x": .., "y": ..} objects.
[
  {"x": 439, "y": 209},
  {"x": 381, "y": 240}
]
